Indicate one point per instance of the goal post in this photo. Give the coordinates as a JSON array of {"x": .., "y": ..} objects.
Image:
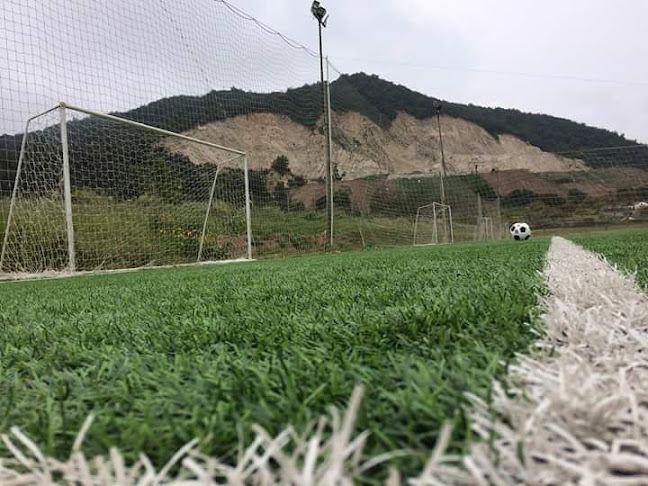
[
  {"x": 433, "y": 225},
  {"x": 484, "y": 229},
  {"x": 94, "y": 191}
]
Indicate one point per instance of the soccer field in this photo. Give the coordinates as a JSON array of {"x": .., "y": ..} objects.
[{"x": 163, "y": 356}]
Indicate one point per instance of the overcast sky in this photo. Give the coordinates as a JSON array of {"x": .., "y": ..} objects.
[{"x": 580, "y": 59}]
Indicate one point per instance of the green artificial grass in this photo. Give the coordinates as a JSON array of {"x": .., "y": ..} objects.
[
  {"x": 163, "y": 356},
  {"x": 627, "y": 249}
]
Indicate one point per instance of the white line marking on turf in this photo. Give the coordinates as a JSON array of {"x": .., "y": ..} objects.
[
  {"x": 576, "y": 412},
  {"x": 53, "y": 274}
]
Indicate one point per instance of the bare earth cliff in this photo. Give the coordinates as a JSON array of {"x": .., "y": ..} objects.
[{"x": 362, "y": 148}]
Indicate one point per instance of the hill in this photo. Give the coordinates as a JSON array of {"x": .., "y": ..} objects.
[
  {"x": 380, "y": 101},
  {"x": 549, "y": 133},
  {"x": 381, "y": 127}
]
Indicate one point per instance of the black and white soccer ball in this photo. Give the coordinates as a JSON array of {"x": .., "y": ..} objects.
[{"x": 520, "y": 231}]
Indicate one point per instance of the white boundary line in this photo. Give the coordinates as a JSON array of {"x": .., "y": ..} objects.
[
  {"x": 53, "y": 275},
  {"x": 576, "y": 412}
]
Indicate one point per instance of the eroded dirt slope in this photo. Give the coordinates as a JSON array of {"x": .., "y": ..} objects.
[{"x": 362, "y": 148}]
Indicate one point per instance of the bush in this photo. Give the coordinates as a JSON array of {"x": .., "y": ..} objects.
[
  {"x": 519, "y": 197},
  {"x": 281, "y": 196},
  {"x": 552, "y": 200},
  {"x": 296, "y": 181},
  {"x": 341, "y": 201},
  {"x": 576, "y": 196},
  {"x": 479, "y": 186},
  {"x": 632, "y": 194},
  {"x": 280, "y": 165},
  {"x": 297, "y": 206}
]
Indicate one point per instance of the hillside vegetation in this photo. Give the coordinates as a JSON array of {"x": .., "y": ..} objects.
[
  {"x": 552, "y": 134},
  {"x": 378, "y": 100}
]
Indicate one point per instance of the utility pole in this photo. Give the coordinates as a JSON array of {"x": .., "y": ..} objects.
[{"x": 321, "y": 16}]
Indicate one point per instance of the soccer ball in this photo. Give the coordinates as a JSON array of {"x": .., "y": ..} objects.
[{"x": 520, "y": 231}]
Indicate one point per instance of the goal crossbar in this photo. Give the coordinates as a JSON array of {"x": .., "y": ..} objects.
[
  {"x": 67, "y": 196},
  {"x": 150, "y": 128}
]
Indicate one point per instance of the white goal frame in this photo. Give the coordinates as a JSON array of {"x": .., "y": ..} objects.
[
  {"x": 67, "y": 190},
  {"x": 484, "y": 229},
  {"x": 435, "y": 229}
]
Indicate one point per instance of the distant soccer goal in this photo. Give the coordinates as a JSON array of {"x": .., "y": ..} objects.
[
  {"x": 99, "y": 192},
  {"x": 433, "y": 225},
  {"x": 484, "y": 229}
]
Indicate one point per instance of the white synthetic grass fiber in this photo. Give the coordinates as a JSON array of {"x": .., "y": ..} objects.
[{"x": 573, "y": 413}]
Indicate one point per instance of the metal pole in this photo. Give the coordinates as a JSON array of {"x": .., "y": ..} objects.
[
  {"x": 248, "y": 208},
  {"x": 330, "y": 150},
  {"x": 211, "y": 199},
  {"x": 14, "y": 192},
  {"x": 67, "y": 190},
  {"x": 451, "y": 229},
  {"x": 435, "y": 231},
  {"x": 153, "y": 129},
  {"x": 209, "y": 205},
  {"x": 329, "y": 213},
  {"x": 443, "y": 172},
  {"x": 499, "y": 220},
  {"x": 443, "y": 163}
]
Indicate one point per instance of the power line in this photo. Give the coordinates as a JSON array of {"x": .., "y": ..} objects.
[{"x": 265, "y": 27}]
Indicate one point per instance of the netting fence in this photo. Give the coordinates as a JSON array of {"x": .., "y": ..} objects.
[{"x": 211, "y": 73}]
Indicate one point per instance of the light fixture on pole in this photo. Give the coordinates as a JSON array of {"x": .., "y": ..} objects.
[
  {"x": 321, "y": 16},
  {"x": 319, "y": 13}
]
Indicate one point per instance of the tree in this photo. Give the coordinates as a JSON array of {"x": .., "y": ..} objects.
[
  {"x": 519, "y": 197},
  {"x": 296, "y": 181},
  {"x": 281, "y": 196},
  {"x": 280, "y": 165}
]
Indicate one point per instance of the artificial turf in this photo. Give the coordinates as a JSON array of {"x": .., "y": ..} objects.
[{"x": 163, "y": 356}]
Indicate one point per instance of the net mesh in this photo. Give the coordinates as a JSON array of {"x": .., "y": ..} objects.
[
  {"x": 205, "y": 69},
  {"x": 136, "y": 200}
]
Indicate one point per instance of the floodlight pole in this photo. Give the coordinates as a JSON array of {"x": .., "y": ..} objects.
[
  {"x": 443, "y": 162},
  {"x": 329, "y": 151},
  {"x": 443, "y": 167},
  {"x": 319, "y": 13}
]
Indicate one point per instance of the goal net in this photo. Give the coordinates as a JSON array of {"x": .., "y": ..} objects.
[
  {"x": 433, "y": 225},
  {"x": 484, "y": 229},
  {"x": 100, "y": 192}
]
